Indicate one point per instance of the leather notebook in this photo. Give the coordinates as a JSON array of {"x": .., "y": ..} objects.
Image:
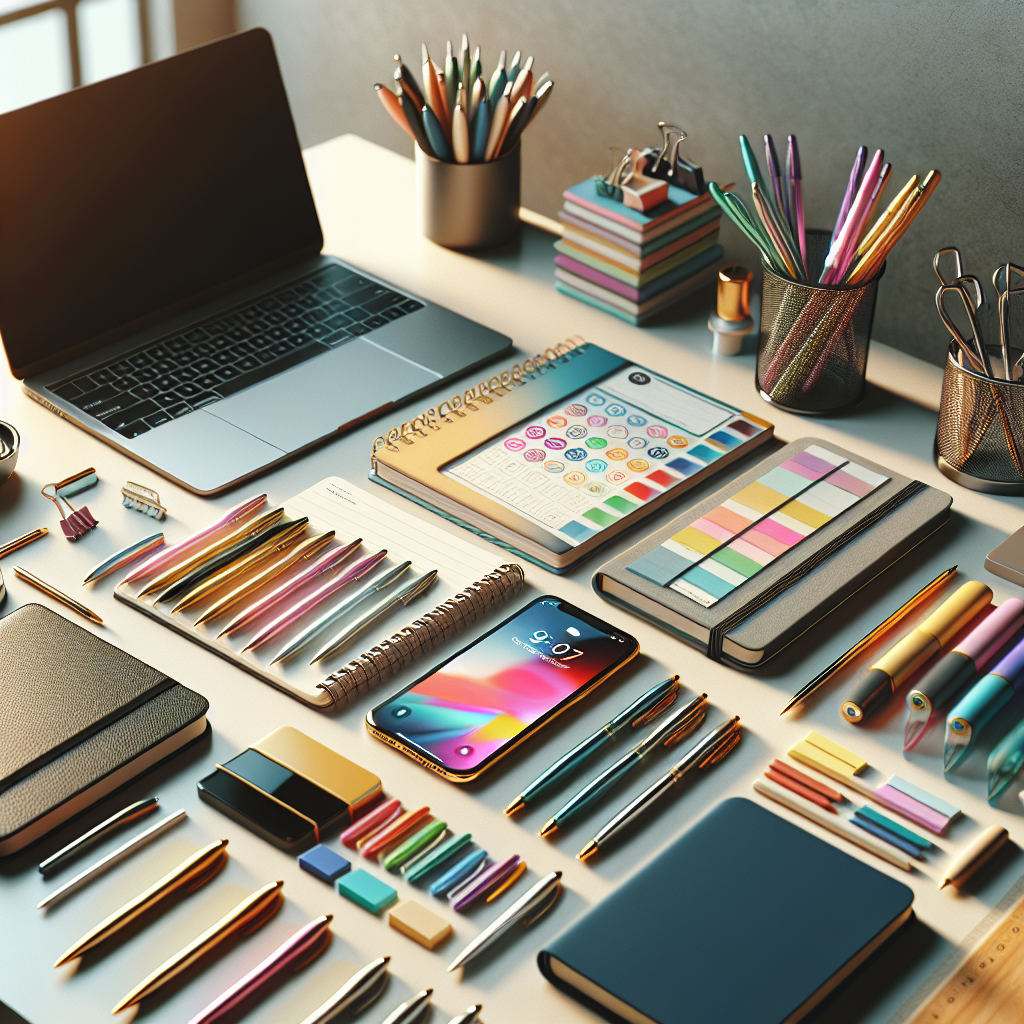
[
  {"x": 79, "y": 718},
  {"x": 745, "y": 919},
  {"x": 745, "y": 572}
]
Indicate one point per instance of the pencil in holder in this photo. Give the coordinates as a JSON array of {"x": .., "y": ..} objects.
[
  {"x": 979, "y": 441},
  {"x": 813, "y": 347}
]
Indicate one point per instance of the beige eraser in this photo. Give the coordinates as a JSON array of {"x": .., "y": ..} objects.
[{"x": 426, "y": 927}]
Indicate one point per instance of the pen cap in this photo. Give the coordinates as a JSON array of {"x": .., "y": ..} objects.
[
  {"x": 986, "y": 640},
  {"x": 734, "y": 292},
  {"x": 1011, "y": 667},
  {"x": 956, "y": 611}
]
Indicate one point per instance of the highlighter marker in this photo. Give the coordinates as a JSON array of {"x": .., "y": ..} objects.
[
  {"x": 917, "y": 647},
  {"x": 980, "y": 704},
  {"x": 959, "y": 667}
]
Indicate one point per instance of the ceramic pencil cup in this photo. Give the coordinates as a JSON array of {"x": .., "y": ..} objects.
[
  {"x": 813, "y": 347},
  {"x": 10, "y": 442},
  {"x": 468, "y": 206}
]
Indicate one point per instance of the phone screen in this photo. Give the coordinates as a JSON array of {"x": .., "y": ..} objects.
[{"x": 483, "y": 698}]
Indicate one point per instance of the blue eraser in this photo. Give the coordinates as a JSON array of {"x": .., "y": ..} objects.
[
  {"x": 325, "y": 864},
  {"x": 370, "y": 893}
]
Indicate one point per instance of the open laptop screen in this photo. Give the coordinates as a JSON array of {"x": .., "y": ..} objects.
[{"x": 130, "y": 197}]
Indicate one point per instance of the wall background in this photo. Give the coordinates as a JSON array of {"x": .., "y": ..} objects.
[{"x": 935, "y": 83}]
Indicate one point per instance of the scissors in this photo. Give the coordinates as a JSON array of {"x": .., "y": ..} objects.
[
  {"x": 962, "y": 285},
  {"x": 1001, "y": 283}
]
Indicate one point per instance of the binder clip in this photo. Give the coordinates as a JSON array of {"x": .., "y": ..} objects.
[
  {"x": 75, "y": 523},
  {"x": 142, "y": 499},
  {"x": 626, "y": 184},
  {"x": 668, "y": 165}
]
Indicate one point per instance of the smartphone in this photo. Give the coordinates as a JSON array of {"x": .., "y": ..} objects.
[{"x": 466, "y": 714}]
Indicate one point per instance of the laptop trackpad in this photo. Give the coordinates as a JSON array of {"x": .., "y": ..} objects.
[{"x": 317, "y": 397}]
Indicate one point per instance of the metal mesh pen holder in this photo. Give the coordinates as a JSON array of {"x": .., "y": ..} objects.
[
  {"x": 979, "y": 441},
  {"x": 813, "y": 345}
]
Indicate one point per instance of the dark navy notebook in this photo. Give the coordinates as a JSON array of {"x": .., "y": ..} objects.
[{"x": 745, "y": 919}]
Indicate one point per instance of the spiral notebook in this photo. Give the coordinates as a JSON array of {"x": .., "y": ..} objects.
[
  {"x": 556, "y": 457},
  {"x": 468, "y": 585}
]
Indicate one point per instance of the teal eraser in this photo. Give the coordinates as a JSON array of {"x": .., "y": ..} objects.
[{"x": 370, "y": 893}]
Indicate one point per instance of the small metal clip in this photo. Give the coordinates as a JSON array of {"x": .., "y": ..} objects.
[
  {"x": 142, "y": 499},
  {"x": 687, "y": 725},
  {"x": 722, "y": 749},
  {"x": 74, "y": 523}
]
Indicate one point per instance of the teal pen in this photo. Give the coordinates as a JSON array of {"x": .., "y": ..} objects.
[
  {"x": 750, "y": 164},
  {"x": 480, "y": 130},
  {"x": 498, "y": 80},
  {"x": 435, "y": 136},
  {"x": 681, "y": 724},
  {"x": 422, "y": 866},
  {"x": 975, "y": 710},
  {"x": 415, "y": 123},
  {"x": 469, "y": 864},
  {"x": 1005, "y": 762},
  {"x": 643, "y": 710},
  {"x": 514, "y": 69}
]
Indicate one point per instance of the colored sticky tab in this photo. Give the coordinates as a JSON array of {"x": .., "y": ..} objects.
[
  {"x": 886, "y": 836},
  {"x": 923, "y": 797},
  {"x": 368, "y": 892},
  {"x": 785, "y": 481},
  {"x": 325, "y": 864},
  {"x": 660, "y": 566},
  {"x": 422, "y": 925},
  {"x": 893, "y": 826},
  {"x": 759, "y": 497},
  {"x": 912, "y": 809},
  {"x": 818, "y": 758},
  {"x": 805, "y": 514},
  {"x": 691, "y": 537},
  {"x": 857, "y": 764}
]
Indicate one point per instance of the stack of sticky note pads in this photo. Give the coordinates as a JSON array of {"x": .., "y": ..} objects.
[{"x": 634, "y": 264}]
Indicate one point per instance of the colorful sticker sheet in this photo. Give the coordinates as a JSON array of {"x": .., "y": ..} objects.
[
  {"x": 732, "y": 543},
  {"x": 580, "y": 467}
]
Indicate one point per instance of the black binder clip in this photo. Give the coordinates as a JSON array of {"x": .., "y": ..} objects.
[{"x": 667, "y": 164}]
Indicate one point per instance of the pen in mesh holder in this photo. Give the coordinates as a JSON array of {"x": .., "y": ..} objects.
[
  {"x": 450, "y": 617},
  {"x": 979, "y": 441},
  {"x": 813, "y": 347}
]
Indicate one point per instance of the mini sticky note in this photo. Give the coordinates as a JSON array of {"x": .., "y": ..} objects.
[
  {"x": 922, "y": 796},
  {"x": 820, "y": 759},
  {"x": 893, "y": 826},
  {"x": 426, "y": 927},
  {"x": 858, "y": 764},
  {"x": 912, "y": 809},
  {"x": 370, "y": 893},
  {"x": 324, "y": 863}
]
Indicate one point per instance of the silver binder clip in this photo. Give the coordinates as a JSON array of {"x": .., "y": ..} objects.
[{"x": 142, "y": 499}]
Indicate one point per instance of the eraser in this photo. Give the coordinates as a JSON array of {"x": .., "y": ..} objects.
[
  {"x": 426, "y": 927},
  {"x": 324, "y": 863},
  {"x": 370, "y": 893}
]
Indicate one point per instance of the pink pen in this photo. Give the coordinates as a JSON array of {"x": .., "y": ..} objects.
[
  {"x": 291, "y": 956},
  {"x": 849, "y": 232},
  {"x": 310, "y": 601},
  {"x": 853, "y": 241},
  {"x": 329, "y": 562},
  {"x": 483, "y": 882},
  {"x": 175, "y": 551},
  {"x": 370, "y": 823}
]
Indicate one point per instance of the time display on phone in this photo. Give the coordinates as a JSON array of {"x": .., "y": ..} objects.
[{"x": 559, "y": 651}]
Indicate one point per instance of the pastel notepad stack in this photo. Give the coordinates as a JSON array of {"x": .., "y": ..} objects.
[{"x": 634, "y": 264}]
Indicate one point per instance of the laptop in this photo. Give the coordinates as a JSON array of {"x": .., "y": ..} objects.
[{"x": 161, "y": 280}]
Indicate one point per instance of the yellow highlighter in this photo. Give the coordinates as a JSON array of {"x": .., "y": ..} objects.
[{"x": 931, "y": 638}]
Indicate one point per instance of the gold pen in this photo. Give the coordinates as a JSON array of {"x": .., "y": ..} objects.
[
  {"x": 19, "y": 542},
  {"x": 57, "y": 595},
  {"x": 191, "y": 874},
  {"x": 249, "y": 916},
  {"x": 192, "y": 561}
]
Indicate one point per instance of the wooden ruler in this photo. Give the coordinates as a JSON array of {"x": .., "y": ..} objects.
[{"x": 988, "y": 986}]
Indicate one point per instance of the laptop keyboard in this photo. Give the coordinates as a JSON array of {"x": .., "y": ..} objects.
[{"x": 176, "y": 375}]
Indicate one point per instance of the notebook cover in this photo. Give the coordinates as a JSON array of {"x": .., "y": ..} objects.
[
  {"x": 765, "y": 631},
  {"x": 786, "y": 910}
]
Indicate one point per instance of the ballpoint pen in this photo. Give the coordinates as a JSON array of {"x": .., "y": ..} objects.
[
  {"x": 531, "y": 906},
  {"x": 480, "y": 131},
  {"x": 414, "y": 119},
  {"x": 231, "y": 563},
  {"x": 979, "y": 705},
  {"x": 97, "y": 834},
  {"x": 852, "y": 185},
  {"x": 513, "y": 68},
  {"x": 335, "y": 612},
  {"x": 188, "y": 562},
  {"x": 435, "y": 134},
  {"x": 468, "y": 1016},
  {"x": 675, "y": 728},
  {"x": 441, "y": 854},
  {"x": 923, "y": 595},
  {"x": 291, "y": 615},
  {"x": 355, "y": 995},
  {"x": 477, "y": 96},
  {"x": 643, "y": 710},
  {"x": 112, "y": 859},
  {"x": 431, "y": 92},
  {"x": 190, "y": 875},
  {"x": 959, "y": 667},
  {"x": 778, "y": 232},
  {"x": 523, "y": 84},
  {"x": 771, "y": 159},
  {"x": 408, "y": 83},
  {"x": 524, "y": 112},
  {"x": 407, "y": 594},
  {"x": 411, "y": 846},
  {"x": 19, "y": 542},
  {"x": 750, "y": 164},
  {"x": 411, "y": 1010},
  {"x": 796, "y": 197},
  {"x": 499, "y": 122},
  {"x": 1005, "y": 762},
  {"x": 246, "y": 918},
  {"x": 846, "y": 238},
  {"x": 303, "y": 551},
  {"x": 455, "y": 876},
  {"x": 541, "y": 96},
  {"x": 393, "y": 105},
  {"x": 515, "y": 109},
  {"x": 124, "y": 557},
  {"x": 480, "y": 885},
  {"x": 451, "y": 76},
  {"x": 886, "y": 218},
  {"x": 919, "y": 646},
  {"x": 708, "y": 750},
  {"x": 496, "y": 86},
  {"x": 464, "y": 66},
  {"x": 291, "y": 956},
  {"x": 58, "y": 595},
  {"x": 329, "y": 562},
  {"x": 196, "y": 540}
]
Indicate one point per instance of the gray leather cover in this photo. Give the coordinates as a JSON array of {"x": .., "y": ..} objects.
[{"x": 803, "y": 585}]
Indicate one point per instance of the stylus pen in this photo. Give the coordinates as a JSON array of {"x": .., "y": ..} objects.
[
  {"x": 707, "y": 751},
  {"x": 642, "y": 711},
  {"x": 58, "y": 595},
  {"x": 411, "y": 1010},
  {"x": 355, "y": 995},
  {"x": 19, "y": 542},
  {"x": 679, "y": 725},
  {"x": 124, "y": 557},
  {"x": 468, "y": 1016}
]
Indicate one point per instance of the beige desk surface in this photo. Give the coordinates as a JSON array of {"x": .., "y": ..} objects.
[{"x": 366, "y": 203}]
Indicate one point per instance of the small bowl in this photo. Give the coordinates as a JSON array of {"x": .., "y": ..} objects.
[{"x": 12, "y": 439}]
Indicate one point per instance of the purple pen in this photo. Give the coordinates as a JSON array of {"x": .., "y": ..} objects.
[
  {"x": 486, "y": 881},
  {"x": 310, "y": 601},
  {"x": 328, "y": 562},
  {"x": 796, "y": 197},
  {"x": 775, "y": 176},
  {"x": 856, "y": 173}
]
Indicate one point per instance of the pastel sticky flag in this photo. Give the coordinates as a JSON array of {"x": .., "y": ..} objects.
[
  {"x": 892, "y": 826},
  {"x": 325, "y": 864},
  {"x": 362, "y": 888},
  {"x": 912, "y": 809},
  {"x": 422, "y": 925},
  {"x": 886, "y": 836},
  {"x": 858, "y": 764},
  {"x": 949, "y": 810},
  {"x": 818, "y": 758}
]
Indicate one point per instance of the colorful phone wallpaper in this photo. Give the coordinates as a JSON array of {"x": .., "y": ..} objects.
[{"x": 488, "y": 694}]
